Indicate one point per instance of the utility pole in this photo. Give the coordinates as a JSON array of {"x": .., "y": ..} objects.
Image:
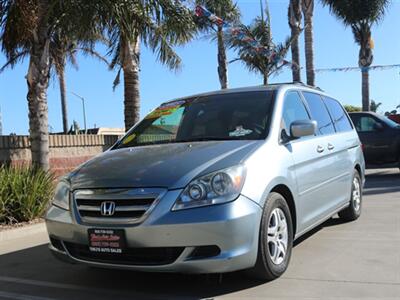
[{"x": 83, "y": 109}]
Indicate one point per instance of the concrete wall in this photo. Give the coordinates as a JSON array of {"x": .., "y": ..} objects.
[{"x": 66, "y": 151}]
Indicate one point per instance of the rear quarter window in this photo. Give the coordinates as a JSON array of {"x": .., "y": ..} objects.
[{"x": 338, "y": 114}]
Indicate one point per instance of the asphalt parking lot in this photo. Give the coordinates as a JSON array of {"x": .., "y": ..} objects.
[{"x": 336, "y": 260}]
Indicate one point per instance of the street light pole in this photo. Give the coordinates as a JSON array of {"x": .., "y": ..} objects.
[{"x": 83, "y": 109}]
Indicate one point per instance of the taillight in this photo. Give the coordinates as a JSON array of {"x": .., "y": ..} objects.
[{"x": 362, "y": 147}]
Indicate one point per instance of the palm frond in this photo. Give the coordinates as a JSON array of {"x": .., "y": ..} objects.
[
  {"x": 117, "y": 79},
  {"x": 355, "y": 11},
  {"x": 88, "y": 51},
  {"x": 17, "y": 57}
]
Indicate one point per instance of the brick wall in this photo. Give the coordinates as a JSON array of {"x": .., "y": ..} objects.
[{"x": 66, "y": 151}]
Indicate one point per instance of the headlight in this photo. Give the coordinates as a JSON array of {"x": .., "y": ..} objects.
[
  {"x": 215, "y": 188},
  {"x": 61, "y": 196}
]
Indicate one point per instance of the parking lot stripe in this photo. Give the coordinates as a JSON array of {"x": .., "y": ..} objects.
[{"x": 14, "y": 296}]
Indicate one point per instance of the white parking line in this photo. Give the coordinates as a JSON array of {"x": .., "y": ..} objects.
[{"x": 14, "y": 296}]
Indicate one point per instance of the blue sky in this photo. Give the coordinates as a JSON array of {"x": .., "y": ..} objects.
[{"x": 334, "y": 47}]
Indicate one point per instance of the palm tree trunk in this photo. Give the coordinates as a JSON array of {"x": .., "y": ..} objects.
[
  {"x": 294, "y": 23},
  {"x": 365, "y": 59},
  {"x": 222, "y": 61},
  {"x": 365, "y": 90},
  {"x": 265, "y": 79},
  {"x": 131, "y": 66},
  {"x": 308, "y": 10},
  {"x": 38, "y": 81},
  {"x": 63, "y": 95}
]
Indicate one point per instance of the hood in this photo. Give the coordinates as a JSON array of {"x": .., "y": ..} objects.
[{"x": 169, "y": 166}]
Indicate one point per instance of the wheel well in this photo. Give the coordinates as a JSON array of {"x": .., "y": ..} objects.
[
  {"x": 287, "y": 194},
  {"x": 358, "y": 168}
]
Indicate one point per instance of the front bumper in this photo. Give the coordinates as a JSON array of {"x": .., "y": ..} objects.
[{"x": 232, "y": 227}]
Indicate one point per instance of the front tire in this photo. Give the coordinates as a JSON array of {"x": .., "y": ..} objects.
[
  {"x": 353, "y": 211},
  {"x": 275, "y": 239}
]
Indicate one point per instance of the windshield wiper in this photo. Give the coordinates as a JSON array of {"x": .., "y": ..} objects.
[{"x": 206, "y": 138}]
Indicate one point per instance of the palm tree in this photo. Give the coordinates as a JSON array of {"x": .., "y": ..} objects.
[
  {"x": 375, "y": 106},
  {"x": 360, "y": 15},
  {"x": 159, "y": 25},
  {"x": 63, "y": 50},
  {"x": 27, "y": 29},
  {"x": 229, "y": 12},
  {"x": 26, "y": 26},
  {"x": 265, "y": 58},
  {"x": 308, "y": 12},
  {"x": 294, "y": 18}
]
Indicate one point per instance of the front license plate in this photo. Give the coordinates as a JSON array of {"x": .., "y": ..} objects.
[{"x": 106, "y": 240}]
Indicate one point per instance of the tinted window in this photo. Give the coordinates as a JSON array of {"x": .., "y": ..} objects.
[
  {"x": 233, "y": 116},
  {"x": 293, "y": 110},
  {"x": 366, "y": 123},
  {"x": 319, "y": 113},
  {"x": 338, "y": 115}
]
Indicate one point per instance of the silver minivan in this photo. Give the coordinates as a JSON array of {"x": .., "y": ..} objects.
[{"x": 213, "y": 183}]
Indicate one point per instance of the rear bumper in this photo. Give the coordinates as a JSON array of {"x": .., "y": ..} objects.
[{"x": 232, "y": 227}]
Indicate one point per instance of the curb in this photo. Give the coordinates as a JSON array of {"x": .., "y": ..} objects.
[{"x": 25, "y": 231}]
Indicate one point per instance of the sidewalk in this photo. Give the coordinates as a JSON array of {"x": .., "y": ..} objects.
[{"x": 16, "y": 239}]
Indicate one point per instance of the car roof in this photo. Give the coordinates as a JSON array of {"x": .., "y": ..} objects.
[
  {"x": 363, "y": 113},
  {"x": 269, "y": 87}
]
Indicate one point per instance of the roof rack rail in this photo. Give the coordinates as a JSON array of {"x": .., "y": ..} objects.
[
  {"x": 298, "y": 83},
  {"x": 309, "y": 86}
]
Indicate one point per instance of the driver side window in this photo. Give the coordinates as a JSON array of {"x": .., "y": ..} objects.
[
  {"x": 367, "y": 124},
  {"x": 293, "y": 110}
]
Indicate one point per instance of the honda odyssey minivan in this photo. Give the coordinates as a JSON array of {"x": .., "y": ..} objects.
[{"x": 213, "y": 183}]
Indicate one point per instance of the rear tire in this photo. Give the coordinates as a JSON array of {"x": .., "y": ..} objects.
[
  {"x": 275, "y": 240},
  {"x": 353, "y": 211}
]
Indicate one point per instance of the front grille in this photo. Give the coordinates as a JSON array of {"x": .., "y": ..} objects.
[
  {"x": 130, "y": 205},
  {"x": 129, "y": 256}
]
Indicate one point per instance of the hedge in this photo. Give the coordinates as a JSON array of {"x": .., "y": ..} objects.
[{"x": 25, "y": 193}]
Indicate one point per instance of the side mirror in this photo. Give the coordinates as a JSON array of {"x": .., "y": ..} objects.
[{"x": 302, "y": 128}]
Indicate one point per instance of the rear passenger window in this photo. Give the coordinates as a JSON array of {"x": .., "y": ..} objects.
[
  {"x": 338, "y": 115},
  {"x": 319, "y": 113},
  {"x": 293, "y": 110}
]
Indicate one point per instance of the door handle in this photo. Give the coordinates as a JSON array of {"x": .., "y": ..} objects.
[
  {"x": 320, "y": 149},
  {"x": 331, "y": 147}
]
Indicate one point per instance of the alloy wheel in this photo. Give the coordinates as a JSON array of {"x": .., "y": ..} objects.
[
  {"x": 277, "y": 238},
  {"x": 356, "y": 194}
]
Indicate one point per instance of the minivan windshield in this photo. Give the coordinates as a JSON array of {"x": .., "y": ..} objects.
[{"x": 230, "y": 116}]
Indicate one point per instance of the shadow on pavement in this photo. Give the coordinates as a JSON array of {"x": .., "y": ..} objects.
[
  {"x": 382, "y": 182},
  {"x": 38, "y": 268}
]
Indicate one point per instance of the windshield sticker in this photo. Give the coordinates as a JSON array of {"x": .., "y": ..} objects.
[
  {"x": 129, "y": 139},
  {"x": 240, "y": 131},
  {"x": 165, "y": 109},
  {"x": 173, "y": 104}
]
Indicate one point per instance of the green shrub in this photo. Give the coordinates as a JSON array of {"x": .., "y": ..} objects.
[
  {"x": 25, "y": 193},
  {"x": 352, "y": 108}
]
